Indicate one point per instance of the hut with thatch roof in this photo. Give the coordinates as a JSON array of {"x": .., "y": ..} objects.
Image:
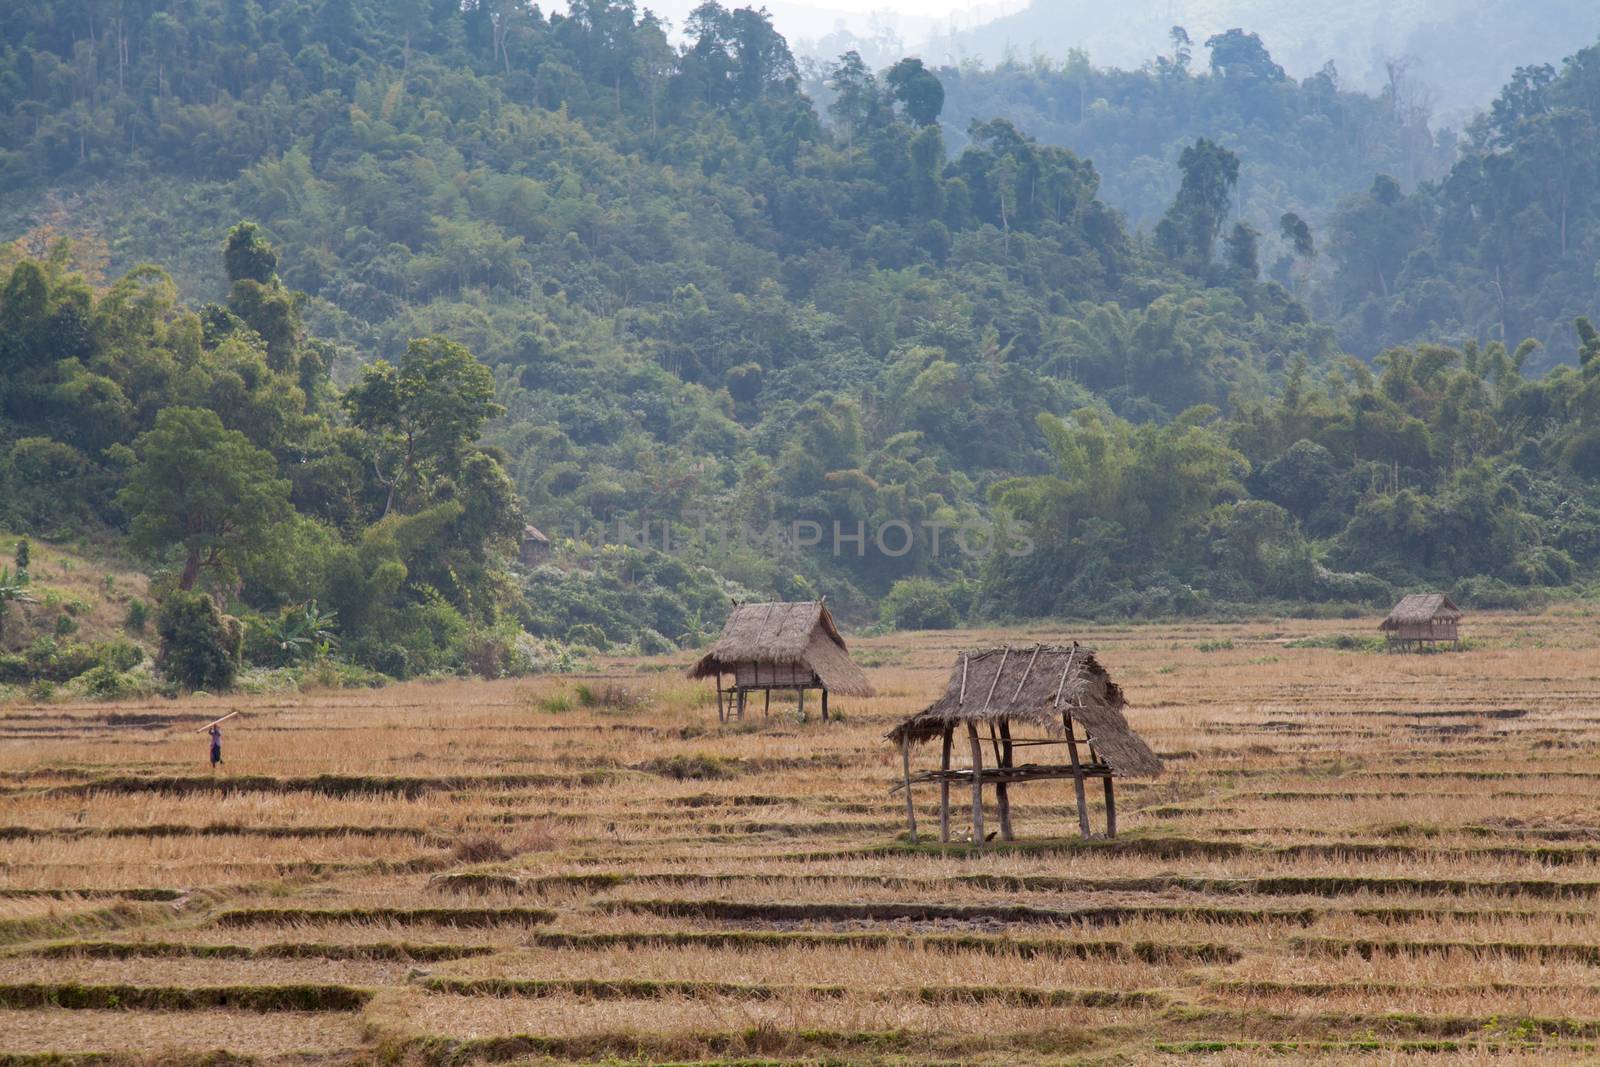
[
  {"x": 1025, "y": 697},
  {"x": 1422, "y": 618},
  {"x": 535, "y": 546},
  {"x": 779, "y": 646}
]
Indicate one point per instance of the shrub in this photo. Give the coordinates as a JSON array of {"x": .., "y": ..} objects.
[
  {"x": 917, "y": 604},
  {"x": 107, "y": 683},
  {"x": 654, "y": 643},
  {"x": 198, "y": 651},
  {"x": 609, "y": 697},
  {"x": 120, "y": 655},
  {"x": 14, "y": 670},
  {"x": 138, "y": 615},
  {"x": 589, "y": 635},
  {"x": 66, "y": 626},
  {"x": 692, "y": 767}
]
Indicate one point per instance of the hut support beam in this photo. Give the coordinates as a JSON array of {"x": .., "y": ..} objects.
[
  {"x": 824, "y": 704},
  {"x": 1077, "y": 774},
  {"x": 944, "y": 788},
  {"x": 905, "y": 768},
  {"x": 721, "y": 711},
  {"x": 1111, "y": 809},
  {"x": 1001, "y": 794},
  {"x": 766, "y": 709},
  {"x": 802, "y": 705},
  {"x": 742, "y": 695},
  {"x": 977, "y": 785}
]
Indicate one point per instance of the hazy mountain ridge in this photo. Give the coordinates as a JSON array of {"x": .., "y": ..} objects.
[{"x": 1462, "y": 50}]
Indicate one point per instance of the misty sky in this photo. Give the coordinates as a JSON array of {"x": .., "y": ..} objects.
[{"x": 809, "y": 19}]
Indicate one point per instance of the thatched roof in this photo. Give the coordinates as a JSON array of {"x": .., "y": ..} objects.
[
  {"x": 1033, "y": 685},
  {"x": 1416, "y": 609},
  {"x": 533, "y": 533},
  {"x": 799, "y": 634}
]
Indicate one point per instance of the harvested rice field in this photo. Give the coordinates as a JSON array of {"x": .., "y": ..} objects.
[{"x": 1352, "y": 857}]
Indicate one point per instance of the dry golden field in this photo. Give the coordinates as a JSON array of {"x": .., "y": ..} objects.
[{"x": 1352, "y": 857}]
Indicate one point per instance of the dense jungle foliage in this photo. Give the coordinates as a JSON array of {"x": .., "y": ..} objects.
[{"x": 504, "y": 265}]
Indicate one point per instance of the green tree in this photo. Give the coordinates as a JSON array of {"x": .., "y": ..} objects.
[
  {"x": 917, "y": 89},
  {"x": 1188, "y": 232},
  {"x": 204, "y": 489},
  {"x": 423, "y": 416},
  {"x": 249, "y": 256},
  {"x": 199, "y": 648}
]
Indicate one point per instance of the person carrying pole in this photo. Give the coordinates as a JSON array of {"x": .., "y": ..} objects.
[{"x": 214, "y": 729}]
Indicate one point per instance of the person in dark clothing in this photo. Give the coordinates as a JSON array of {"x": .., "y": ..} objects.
[{"x": 216, "y": 745}]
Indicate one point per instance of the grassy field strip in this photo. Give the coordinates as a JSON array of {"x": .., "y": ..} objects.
[
  {"x": 121, "y": 1034},
  {"x": 1588, "y": 954},
  {"x": 869, "y": 940},
  {"x": 478, "y": 882},
  {"x": 390, "y": 951},
  {"x": 250, "y": 997},
  {"x": 331, "y": 785},
  {"x": 234, "y": 917},
  {"x": 16, "y": 833},
  {"x": 1111, "y": 914},
  {"x": 648, "y": 989}
]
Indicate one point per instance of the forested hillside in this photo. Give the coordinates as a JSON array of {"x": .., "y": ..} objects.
[
  {"x": 1458, "y": 51},
  {"x": 1504, "y": 246},
  {"x": 702, "y": 318},
  {"x": 1304, "y": 143}
]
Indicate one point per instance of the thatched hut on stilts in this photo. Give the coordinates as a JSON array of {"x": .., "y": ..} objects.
[
  {"x": 786, "y": 646},
  {"x": 1016, "y": 695},
  {"x": 1422, "y": 618}
]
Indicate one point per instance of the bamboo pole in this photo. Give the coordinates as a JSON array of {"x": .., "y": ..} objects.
[
  {"x": 1002, "y": 795},
  {"x": 1111, "y": 808},
  {"x": 944, "y": 788},
  {"x": 977, "y": 785},
  {"x": 905, "y": 767},
  {"x": 1077, "y": 774},
  {"x": 213, "y": 722}
]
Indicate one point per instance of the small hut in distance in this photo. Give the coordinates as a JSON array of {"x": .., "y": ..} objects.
[
  {"x": 792, "y": 646},
  {"x": 535, "y": 546},
  {"x": 1422, "y": 618},
  {"x": 1010, "y": 693}
]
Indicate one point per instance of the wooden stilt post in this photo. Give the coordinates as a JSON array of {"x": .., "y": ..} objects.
[
  {"x": 944, "y": 788},
  {"x": 1001, "y": 794},
  {"x": 1077, "y": 774},
  {"x": 720, "y": 709},
  {"x": 1111, "y": 807},
  {"x": 741, "y": 704},
  {"x": 766, "y": 709},
  {"x": 977, "y": 785},
  {"x": 824, "y": 704},
  {"x": 802, "y": 705},
  {"x": 905, "y": 767}
]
